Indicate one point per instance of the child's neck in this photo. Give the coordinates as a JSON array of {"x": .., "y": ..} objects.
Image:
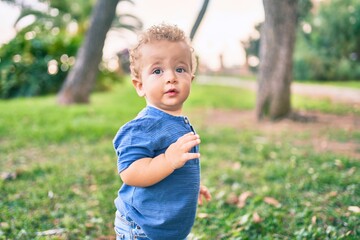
[{"x": 173, "y": 113}]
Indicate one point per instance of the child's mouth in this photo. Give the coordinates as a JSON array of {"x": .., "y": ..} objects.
[{"x": 171, "y": 92}]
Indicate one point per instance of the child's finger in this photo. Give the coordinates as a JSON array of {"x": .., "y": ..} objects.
[
  {"x": 200, "y": 201},
  {"x": 189, "y": 156},
  {"x": 205, "y": 192},
  {"x": 188, "y": 137},
  {"x": 207, "y": 196},
  {"x": 190, "y": 144}
]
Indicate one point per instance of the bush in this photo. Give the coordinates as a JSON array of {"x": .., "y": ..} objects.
[
  {"x": 36, "y": 62},
  {"x": 329, "y": 48}
]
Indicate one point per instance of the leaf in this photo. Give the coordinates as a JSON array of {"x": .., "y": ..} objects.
[
  {"x": 89, "y": 225},
  {"x": 313, "y": 220},
  {"x": 236, "y": 166},
  {"x": 339, "y": 163},
  {"x": 272, "y": 201},
  {"x": 242, "y": 199},
  {"x": 51, "y": 194},
  {"x": 203, "y": 215},
  {"x": 354, "y": 209},
  {"x": 232, "y": 199},
  {"x": 58, "y": 231},
  {"x": 351, "y": 171},
  {"x": 256, "y": 218},
  {"x": 244, "y": 219},
  {"x": 4, "y": 225},
  {"x": 332, "y": 194}
]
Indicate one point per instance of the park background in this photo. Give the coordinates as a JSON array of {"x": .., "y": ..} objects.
[{"x": 292, "y": 176}]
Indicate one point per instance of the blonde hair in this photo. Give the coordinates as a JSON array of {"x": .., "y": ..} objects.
[{"x": 157, "y": 33}]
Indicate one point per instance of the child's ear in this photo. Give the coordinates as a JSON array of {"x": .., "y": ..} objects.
[{"x": 139, "y": 87}]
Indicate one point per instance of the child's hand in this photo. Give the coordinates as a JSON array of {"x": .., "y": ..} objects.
[
  {"x": 178, "y": 152},
  {"x": 204, "y": 192}
]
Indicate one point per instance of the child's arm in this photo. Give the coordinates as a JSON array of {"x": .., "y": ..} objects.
[{"x": 148, "y": 171}]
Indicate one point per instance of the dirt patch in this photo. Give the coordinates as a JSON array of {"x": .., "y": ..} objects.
[{"x": 323, "y": 130}]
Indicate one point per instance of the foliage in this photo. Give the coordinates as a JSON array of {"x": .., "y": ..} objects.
[
  {"x": 36, "y": 62},
  {"x": 252, "y": 48},
  {"x": 329, "y": 43},
  {"x": 38, "y": 59},
  {"x": 63, "y": 171}
]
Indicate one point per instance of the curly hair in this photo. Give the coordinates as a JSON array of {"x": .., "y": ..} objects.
[{"x": 156, "y": 33}]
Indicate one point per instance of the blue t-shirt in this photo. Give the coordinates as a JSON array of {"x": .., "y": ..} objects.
[{"x": 165, "y": 210}]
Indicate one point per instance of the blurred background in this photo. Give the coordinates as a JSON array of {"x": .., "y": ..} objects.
[
  {"x": 276, "y": 101},
  {"x": 224, "y": 26},
  {"x": 44, "y": 36}
]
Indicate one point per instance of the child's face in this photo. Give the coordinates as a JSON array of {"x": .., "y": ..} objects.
[{"x": 165, "y": 75}]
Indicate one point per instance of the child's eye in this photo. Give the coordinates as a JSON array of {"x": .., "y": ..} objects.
[
  {"x": 157, "y": 71},
  {"x": 180, "y": 70}
]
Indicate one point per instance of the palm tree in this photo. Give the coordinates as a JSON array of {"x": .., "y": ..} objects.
[
  {"x": 62, "y": 13},
  {"x": 199, "y": 19},
  {"x": 276, "y": 51},
  {"x": 81, "y": 79},
  {"x": 57, "y": 13}
]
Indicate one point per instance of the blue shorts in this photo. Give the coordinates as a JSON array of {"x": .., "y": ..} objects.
[{"x": 126, "y": 229}]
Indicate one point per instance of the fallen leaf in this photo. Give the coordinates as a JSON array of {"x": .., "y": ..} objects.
[
  {"x": 4, "y": 225},
  {"x": 272, "y": 201},
  {"x": 236, "y": 166},
  {"x": 256, "y": 218},
  {"x": 89, "y": 225},
  {"x": 351, "y": 171},
  {"x": 354, "y": 209},
  {"x": 50, "y": 194},
  {"x": 332, "y": 194},
  {"x": 93, "y": 188},
  {"x": 76, "y": 190},
  {"x": 203, "y": 215},
  {"x": 58, "y": 231},
  {"x": 242, "y": 199},
  {"x": 313, "y": 220},
  {"x": 339, "y": 163},
  {"x": 244, "y": 219},
  {"x": 232, "y": 199}
]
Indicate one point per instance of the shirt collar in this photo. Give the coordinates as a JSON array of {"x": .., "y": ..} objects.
[{"x": 157, "y": 112}]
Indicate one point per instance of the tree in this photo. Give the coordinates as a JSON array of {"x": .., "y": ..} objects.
[
  {"x": 276, "y": 51},
  {"x": 81, "y": 79},
  {"x": 36, "y": 61},
  {"x": 199, "y": 19}
]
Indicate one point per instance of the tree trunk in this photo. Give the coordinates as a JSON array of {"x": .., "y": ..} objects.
[
  {"x": 276, "y": 52},
  {"x": 199, "y": 19},
  {"x": 81, "y": 79}
]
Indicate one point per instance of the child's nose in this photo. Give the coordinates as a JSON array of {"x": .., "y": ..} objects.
[{"x": 171, "y": 77}]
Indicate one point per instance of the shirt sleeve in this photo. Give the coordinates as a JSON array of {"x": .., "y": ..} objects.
[{"x": 132, "y": 143}]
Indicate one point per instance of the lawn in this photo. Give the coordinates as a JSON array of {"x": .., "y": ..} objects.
[{"x": 268, "y": 180}]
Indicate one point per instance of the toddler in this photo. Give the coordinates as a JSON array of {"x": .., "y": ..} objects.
[{"x": 158, "y": 151}]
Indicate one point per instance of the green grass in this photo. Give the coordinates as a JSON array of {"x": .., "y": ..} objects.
[
  {"x": 66, "y": 176},
  {"x": 301, "y": 103},
  {"x": 345, "y": 84},
  {"x": 340, "y": 83}
]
